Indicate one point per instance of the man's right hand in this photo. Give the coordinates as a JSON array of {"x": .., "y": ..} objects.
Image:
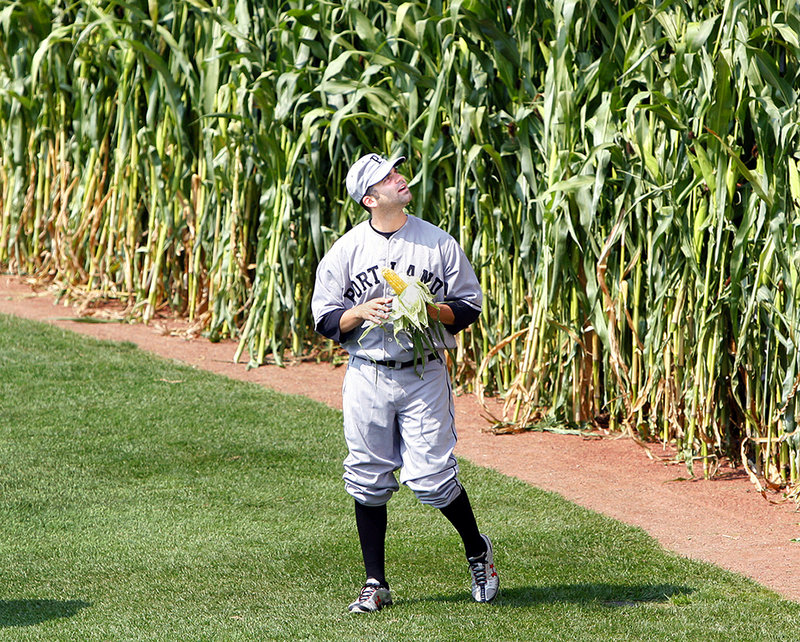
[{"x": 375, "y": 310}]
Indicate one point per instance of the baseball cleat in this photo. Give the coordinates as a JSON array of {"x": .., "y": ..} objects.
[
  {"x": 485, "y": 582},
  {"x": 373, "y": 597}
]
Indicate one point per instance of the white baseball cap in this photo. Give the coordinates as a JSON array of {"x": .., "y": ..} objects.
[{"x": 367, "y": 171}]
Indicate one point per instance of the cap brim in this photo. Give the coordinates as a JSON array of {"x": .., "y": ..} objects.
[{"x": 384, "y": 170}]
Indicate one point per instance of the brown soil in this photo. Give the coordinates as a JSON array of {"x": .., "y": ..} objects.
[{"x": 724, "y": 521}]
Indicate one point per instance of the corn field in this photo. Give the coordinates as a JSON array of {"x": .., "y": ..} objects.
[{"x": 623, "y": 175}]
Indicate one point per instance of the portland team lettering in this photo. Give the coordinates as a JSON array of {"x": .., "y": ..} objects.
[{"x": 363, "y": 281}]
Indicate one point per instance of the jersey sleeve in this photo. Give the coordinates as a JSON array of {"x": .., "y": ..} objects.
[
  {"x": 327, "y": 302},
  {"x": 464, "y": 294}
]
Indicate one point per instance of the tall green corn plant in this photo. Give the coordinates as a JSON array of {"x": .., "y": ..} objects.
[
  {"x": 22, "y": 25},
  {"x": 722, "y": 193},
  {"x": 765, "y": 328}
]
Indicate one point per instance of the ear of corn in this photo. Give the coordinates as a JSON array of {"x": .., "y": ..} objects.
[
  {"x": 410, "y": 321},
  {"x": 393, "y": 279}
]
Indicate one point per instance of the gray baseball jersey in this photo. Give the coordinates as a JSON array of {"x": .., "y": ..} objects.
[{"x": 349, "y": 274}]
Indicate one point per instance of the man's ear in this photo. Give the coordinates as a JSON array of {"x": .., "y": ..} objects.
[{"x": 369, "y": 200}]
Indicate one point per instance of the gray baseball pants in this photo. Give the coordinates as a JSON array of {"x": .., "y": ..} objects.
[{"x": 395, "y": 420}]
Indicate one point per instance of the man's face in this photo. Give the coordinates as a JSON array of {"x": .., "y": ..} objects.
[{"x": 392, "y": 190}]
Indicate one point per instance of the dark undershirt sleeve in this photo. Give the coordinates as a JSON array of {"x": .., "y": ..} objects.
[
  {"x": 465, "y": 315},
  {"x": 328, "y": 326}
]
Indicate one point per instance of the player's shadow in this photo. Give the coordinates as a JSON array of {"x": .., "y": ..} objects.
[
  {"x": 28, "y": 612},
  {"x": 610, "y": 595}
]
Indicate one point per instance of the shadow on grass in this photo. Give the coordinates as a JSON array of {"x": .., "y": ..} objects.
[
  {"x": 610, "y": 595},
  {"x": 28, "y": 612}
]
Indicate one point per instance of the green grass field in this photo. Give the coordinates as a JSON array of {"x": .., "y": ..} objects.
[{"x": 146, "y": 500}]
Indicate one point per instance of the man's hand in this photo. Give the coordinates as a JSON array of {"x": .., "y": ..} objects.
[{"x": 375, "y": 310}]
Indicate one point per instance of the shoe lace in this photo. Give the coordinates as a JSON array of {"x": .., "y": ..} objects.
[
  {"x": 478, "y": 570},
  {"x": 367, "y": 592}
]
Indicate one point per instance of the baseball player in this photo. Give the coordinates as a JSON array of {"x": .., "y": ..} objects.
[{"x": 395, "y": 419}]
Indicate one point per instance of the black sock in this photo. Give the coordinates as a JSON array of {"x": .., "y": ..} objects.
[
  {"x": 460, "y": 514},
  {"x": 371, "y": 524}
]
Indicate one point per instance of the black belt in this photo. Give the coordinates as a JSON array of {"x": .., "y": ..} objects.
[{"x": 397, "y": 365}]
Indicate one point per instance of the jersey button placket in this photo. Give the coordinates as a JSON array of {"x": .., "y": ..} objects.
[{"x": 388, "y": 337}]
